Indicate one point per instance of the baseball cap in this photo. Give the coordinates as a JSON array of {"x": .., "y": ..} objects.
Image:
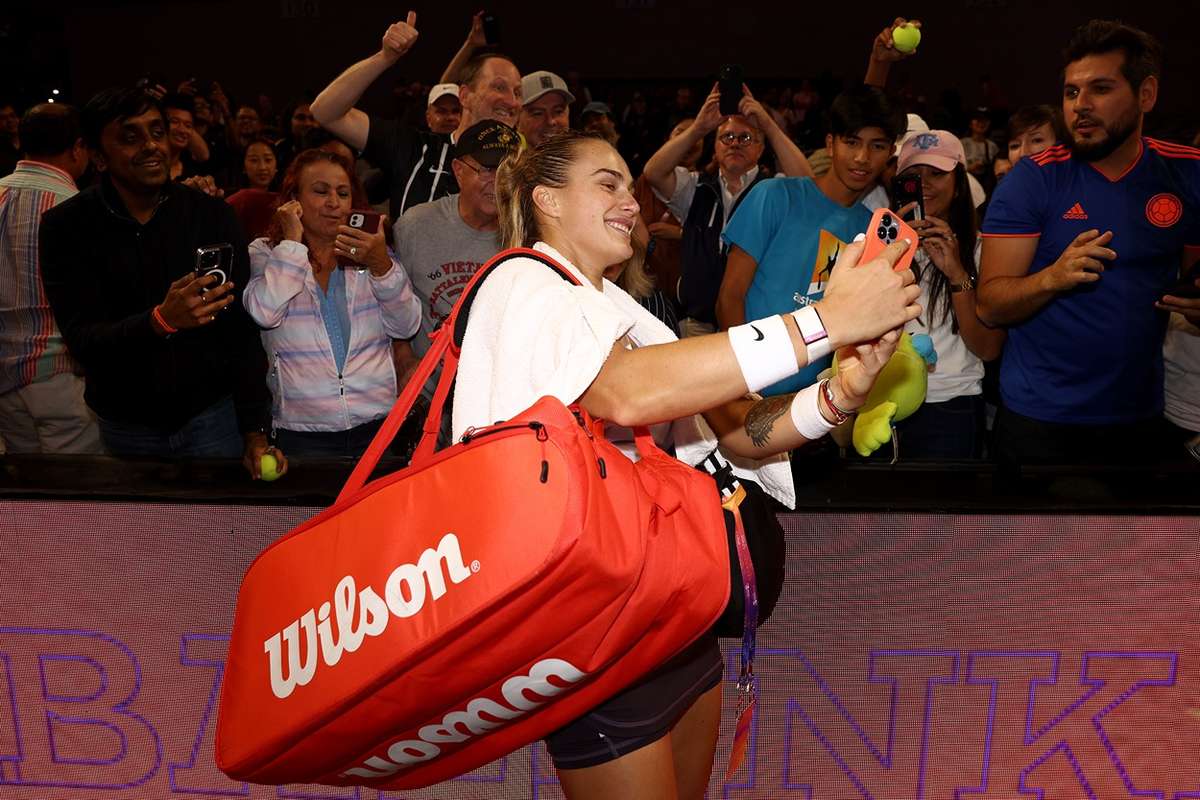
[
  {"x": 441, "y": 90},
  {"x": 915, "y": 125},
  {"x": 488, "y": 142},
  {"x": 939, "y": 149},
  {"x": 596, "y": 107},
  {"x": 536, "y": 84}
]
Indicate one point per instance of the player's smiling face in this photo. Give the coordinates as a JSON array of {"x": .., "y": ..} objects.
[{"x": 1100, "y": 107}]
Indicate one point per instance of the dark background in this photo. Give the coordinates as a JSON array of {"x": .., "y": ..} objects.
[{"x": 283, "y": 47}]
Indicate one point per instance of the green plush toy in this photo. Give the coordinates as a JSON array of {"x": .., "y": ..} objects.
[{"x": 898, "y": 392}]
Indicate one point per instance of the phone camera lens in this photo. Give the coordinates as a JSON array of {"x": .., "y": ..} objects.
[{"x": 886, "y": 220}]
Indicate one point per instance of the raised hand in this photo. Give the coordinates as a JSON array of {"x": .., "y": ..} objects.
[
  {"x": 709, "y": 116},
  {"x": 400, "y": 37},
  {"x": 884, "y": 49},
  {"x": 476, "y": 37},
  {"x": 753, "y": 110},
  {"x": 289, "y": 215}
]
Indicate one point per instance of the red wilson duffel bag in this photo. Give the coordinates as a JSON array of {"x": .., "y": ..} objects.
[{"x": 443, "y": 616}]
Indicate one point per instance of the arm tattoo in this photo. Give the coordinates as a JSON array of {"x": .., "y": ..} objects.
[{"x": 760, "y": 419}]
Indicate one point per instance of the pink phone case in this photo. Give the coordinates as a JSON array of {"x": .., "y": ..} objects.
[{"x": 887, "y": 227}]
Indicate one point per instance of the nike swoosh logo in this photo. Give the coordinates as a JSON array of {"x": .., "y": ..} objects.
[{"x": 760, "y": 333}]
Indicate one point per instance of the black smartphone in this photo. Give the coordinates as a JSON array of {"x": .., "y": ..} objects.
[
  {"x": 729, "y": 84},
  {"x": 214, "y": 259},
  {"x": 906, "y": 189},
  {"x": 491, "y": 28},
  {"x": 364, "y": 220},
  {"x": 1187, "y": 288}
]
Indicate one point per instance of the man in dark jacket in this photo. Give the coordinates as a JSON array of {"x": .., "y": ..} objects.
[{"x": 173, "y": 364}]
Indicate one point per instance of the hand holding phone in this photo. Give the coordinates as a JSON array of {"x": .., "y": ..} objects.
[
  {"x": 887, "y": 227},
  {"x": 214, "y": 260},
  {"x": 363, "y": 220},
  {"x": 729, "y": 84},
  {"x": 907, "y": 189}
]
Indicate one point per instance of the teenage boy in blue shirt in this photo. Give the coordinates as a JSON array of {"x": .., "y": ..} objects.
[{"x": 787, "y": 232}]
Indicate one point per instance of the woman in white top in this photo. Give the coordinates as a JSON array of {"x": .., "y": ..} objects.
[
  {"x": 950, "y": 423},
  {"x": 530, "y": 334}
]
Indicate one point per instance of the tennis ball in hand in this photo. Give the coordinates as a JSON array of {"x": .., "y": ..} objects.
[
  {"x": 268, "y": 467},
  {"x": 905, "y": 38}
]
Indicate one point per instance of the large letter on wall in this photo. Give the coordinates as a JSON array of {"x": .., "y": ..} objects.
[{"x": 72, "y": 696}]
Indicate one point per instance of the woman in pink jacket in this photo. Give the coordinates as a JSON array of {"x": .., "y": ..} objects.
[{"x": 327, "y": 328}]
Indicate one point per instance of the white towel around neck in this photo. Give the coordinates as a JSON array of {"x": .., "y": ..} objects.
[{"x": 532, "y": 334}]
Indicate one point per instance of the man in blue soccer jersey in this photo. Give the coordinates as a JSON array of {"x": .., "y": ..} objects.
[{"x": 1080, "y": 243}]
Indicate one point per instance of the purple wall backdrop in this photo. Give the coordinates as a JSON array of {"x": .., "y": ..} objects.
[{"x": 912, "y": 656}]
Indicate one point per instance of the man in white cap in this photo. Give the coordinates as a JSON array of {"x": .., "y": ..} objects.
[
  {"x": 547, "y": 106},
  {"x": 444, "y": 111}
]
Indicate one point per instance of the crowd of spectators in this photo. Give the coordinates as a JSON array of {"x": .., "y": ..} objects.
[{"x": 184, "y": 276}]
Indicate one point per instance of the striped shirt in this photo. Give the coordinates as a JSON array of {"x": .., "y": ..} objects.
[{"x": 31, "y": 346}]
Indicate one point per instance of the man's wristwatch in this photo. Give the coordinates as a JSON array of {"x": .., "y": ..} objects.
[{"x": 967, "y": 285}]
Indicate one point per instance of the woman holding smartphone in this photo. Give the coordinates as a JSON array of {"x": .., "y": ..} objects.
[
  {"x": 530, "y": 334},
  {"x": 950, "y": 423},
  {"x": 327, "y": 329}
]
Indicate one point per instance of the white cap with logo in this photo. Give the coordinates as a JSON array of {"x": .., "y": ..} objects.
[{"x": 441, "y": 90}]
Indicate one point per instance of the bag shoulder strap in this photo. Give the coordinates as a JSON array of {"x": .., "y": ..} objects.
[
  {"x": 445, "y": 349},
  {"x": 462, "y": 309}
]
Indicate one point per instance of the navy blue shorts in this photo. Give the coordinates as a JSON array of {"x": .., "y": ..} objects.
[{"x": 640, "y": 714}]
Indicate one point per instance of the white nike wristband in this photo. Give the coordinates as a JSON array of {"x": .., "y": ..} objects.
[
  {"x": 806, "y": 414},
  {"x": 812, "y": 331},
  {"x": 764, "y": 352}
]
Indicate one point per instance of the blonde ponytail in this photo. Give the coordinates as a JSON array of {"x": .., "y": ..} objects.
[{"x": 522, "y": 172}]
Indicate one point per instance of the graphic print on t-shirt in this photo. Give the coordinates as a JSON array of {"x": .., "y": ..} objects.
[
  {"x": 829, "y": 247},
  {"x": 448, "y": 282}
]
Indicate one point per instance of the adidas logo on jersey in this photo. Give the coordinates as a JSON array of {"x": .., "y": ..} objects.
[{"x": 1076, "y": 212}]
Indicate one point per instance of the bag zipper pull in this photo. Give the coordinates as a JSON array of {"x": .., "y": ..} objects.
[
  {"x": 542, "y": 436},
  {"x": 582, "y": 424}
]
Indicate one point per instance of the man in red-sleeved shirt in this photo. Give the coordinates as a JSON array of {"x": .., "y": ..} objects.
[{"x": 1080, "y": 243}]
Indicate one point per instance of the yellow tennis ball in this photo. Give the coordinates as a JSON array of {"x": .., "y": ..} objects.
[
  {"x": 905, "y": 38},
  {"x": 268, "y": 467}
]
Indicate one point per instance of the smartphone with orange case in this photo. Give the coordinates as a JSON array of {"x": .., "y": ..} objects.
[{"x": 887, "y": 227}]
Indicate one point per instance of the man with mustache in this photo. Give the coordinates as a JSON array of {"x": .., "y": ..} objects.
[
  {"x": 173, "y": 364},
  {"x": 442, "y": 244},
  {"x": 416, "y": 162},
  {"x": 1080, "y": 243}
]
